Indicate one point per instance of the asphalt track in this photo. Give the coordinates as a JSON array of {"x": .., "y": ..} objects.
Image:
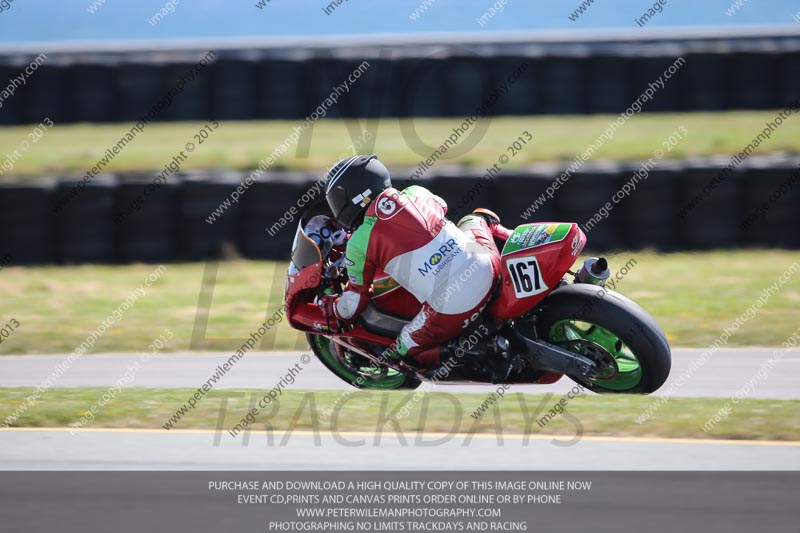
[
  {"x": 128, "y": 449},
  {"x": 722, "y": 375},
  {"x": 725, "y": 373}
]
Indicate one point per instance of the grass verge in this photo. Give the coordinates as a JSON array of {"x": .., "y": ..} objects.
[
  {"x": 692, "y": 296},
  {"x": 435, "y": 412},
  {"x": 76, "y": 148}
]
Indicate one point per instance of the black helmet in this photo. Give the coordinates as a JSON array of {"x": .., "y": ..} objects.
[{"x": 352, "y": 184}]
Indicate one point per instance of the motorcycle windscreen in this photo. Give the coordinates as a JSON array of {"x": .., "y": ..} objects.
[{"x": 305, "y": 252}]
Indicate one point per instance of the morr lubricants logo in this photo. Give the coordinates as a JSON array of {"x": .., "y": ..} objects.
[{"x": 440, "y": 258}]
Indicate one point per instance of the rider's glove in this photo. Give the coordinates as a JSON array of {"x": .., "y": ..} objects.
[{"x": 326, "y": 304}]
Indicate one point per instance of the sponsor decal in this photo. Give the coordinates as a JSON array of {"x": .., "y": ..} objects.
[
  {"x": 535, "y": 235},
  {"x": 440, "y": 259},
  {"x": 363, "y": 199},
  {"x": 576, "y": 245},
  {"x": 384, "y": 285}
]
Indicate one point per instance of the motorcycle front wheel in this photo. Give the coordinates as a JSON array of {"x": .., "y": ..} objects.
[{"x": 356, "y": 370}]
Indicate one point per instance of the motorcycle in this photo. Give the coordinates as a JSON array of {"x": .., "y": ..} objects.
[{"x": 542, "y": 322}]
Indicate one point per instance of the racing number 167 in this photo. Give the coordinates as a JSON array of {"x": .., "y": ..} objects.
[{"x": 524, "y": 283}]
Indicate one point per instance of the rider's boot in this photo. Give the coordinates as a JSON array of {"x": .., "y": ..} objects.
[
  {"x": 493, "y": 221},
  {"x": 427, "y": 359}
]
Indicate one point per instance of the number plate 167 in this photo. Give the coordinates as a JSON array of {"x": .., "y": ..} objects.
[{"x": 527, "y": 276}]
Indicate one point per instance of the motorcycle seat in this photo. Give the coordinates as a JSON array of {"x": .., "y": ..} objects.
[{"x": 382, "y": 323}]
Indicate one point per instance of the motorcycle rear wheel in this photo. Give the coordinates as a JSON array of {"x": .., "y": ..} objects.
[
  {"x": 350, "y": 370},
  {"x": 616, "y": 323}
]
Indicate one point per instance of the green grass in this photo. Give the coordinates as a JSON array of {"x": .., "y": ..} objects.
[
  {"x": 692, "y": 296},
  {"x": 76, "y": 148},
  {"x": 435, "y": 412}
]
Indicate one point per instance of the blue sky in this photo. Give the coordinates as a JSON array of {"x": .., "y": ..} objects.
[{"x": 48, "y": 20}]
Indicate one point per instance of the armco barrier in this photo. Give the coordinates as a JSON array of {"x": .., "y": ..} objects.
[{"x": 172, "y": 222}]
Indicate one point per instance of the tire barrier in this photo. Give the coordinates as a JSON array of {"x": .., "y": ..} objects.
[
  {"x": 9, "y": 113},
  {"x": 48, "y": 94},
  {"x": 83, "y": 228},
  {"x": 705, "y": 83},
  {"x": 113, "y": 221},
  {"x": 580, "y": 199},
  {"x": 199, "y": 195},
  {"x": 93, "y": 94},
  {"x": 650, "y": 220},
  {"x": 407, "y": 82},
  {"x": 771, "y": 194},
  {"x": 26, "y": 223},
  {"x": 139, "y": 88},
  {"x": 714, "y": 222},
  {"x": 145, "y": 228},
  {"x": 233, "y": 90},
  {"x": 268, "y": 222},
  {"x": 789, "y": 77}
]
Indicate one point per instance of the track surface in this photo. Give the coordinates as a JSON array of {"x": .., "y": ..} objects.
[
  {"x": 99, "y": 449},
  {"x": 723, "y": 374},
  {"x": 47, "y": 449}
]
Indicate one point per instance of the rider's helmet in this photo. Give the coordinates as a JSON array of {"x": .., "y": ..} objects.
[{"x": 352, "y": 184}]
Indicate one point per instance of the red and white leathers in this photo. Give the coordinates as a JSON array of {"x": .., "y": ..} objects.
[{"x": 450, "y": 269}]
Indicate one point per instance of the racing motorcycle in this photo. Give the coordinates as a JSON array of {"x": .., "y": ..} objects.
[{"x": 543, "y": 320}]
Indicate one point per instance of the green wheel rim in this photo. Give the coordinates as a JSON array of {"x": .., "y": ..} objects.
[
  {"x": 372, "y": 378},
  {"x": 630, "y": 370}
]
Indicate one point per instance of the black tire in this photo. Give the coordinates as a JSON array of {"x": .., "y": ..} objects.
[
  {"x": 319, "y": 345},
  {"x": 618, "y": 315}
]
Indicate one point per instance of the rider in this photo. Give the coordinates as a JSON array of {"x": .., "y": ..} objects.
[{"x": 451, "y": 269}]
